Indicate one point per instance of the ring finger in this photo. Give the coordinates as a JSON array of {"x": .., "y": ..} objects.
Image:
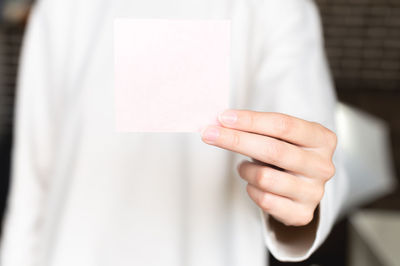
[{"x": 277, "y": 182}]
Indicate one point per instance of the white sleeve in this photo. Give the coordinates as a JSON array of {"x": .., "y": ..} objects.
[
  {"x": 31, "y": 149},
  {"x": 293, "y": 78}
]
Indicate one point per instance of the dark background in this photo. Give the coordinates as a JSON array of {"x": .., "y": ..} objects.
[{"x": 363, "y": 47}]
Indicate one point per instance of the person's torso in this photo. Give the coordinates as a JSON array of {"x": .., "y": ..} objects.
[{"x": 140, "y": 198}]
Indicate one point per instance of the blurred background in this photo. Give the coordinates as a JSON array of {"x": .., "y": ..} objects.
[{"x": 362, "y": 39}]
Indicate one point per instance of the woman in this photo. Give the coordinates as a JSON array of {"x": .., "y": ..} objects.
[{"x": 85, "y": 195}]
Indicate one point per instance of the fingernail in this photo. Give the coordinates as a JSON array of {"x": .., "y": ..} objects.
[
  {"x": 210, "y": 134},
  {"x": 228, "y": 117}
]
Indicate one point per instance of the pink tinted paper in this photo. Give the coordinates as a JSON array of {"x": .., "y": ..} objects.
[{"x": 170, "y": 75}]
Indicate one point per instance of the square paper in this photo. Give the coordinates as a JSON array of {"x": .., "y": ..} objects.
[{"x": 170, "y": 75}]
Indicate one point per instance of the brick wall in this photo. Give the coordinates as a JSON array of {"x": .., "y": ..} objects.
[
  {"x": 10, "y": 41},
  {"x": 363, "y": 42}
]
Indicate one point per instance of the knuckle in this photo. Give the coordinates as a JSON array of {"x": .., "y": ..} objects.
[
  {"x": 274, "y": 153},
  {"x": 235, "y": 140},
  {"x": 265, "y": 202},
  {"x": 303, "y": 219},
  {"x": 327, "y": 170},
  {"x": 318, "y": 194},
  {"x": 260, "y": 177},
  {"x": 265, "y": 179},
  {"x": 251, "y": 120},
  {"x": 270, "y": 183},
  {"x": 331, "y": 139},
  {"x": 320, "y": 127},
  {"x": 307, "y": 218},
  {"x": 328, "y": 136},
  {"x": 330, "y": 170},
  {"x": 284, "y": 125}
]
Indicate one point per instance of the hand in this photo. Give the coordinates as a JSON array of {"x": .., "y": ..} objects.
[{"x": 292, "y": 160}]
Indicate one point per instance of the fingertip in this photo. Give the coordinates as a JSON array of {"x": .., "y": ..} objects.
[
  {"x": 228, "y": 117},
  {"x": 201, "y": 129},
  {"x": 210, "y": 134},
  {"x": 240, "y": 165}
]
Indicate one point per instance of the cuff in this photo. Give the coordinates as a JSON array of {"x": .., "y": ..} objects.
[{"x": 290, "y": 243}]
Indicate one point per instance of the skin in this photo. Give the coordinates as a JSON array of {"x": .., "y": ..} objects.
[{"x": 291, "y": 160}]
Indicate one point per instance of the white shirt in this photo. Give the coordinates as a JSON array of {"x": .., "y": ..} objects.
[{"x": 83, "y": 194}]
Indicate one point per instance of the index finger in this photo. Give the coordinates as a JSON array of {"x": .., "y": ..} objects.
[{"x": 288, "y": 128}]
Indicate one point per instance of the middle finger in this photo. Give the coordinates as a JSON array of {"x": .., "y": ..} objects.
[{"x": 279, "y": 182}]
